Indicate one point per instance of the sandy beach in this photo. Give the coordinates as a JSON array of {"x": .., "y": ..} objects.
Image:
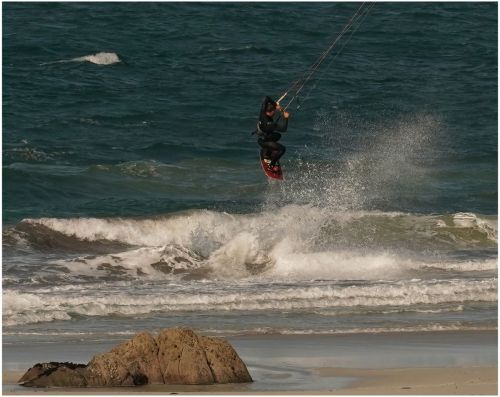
[{"x": 371, "y": 364}]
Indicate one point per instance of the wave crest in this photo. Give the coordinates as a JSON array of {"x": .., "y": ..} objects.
[{"x": 307, "y": 226}]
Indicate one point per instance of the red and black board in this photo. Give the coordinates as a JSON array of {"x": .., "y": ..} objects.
[{"x": 277, "y": 173}]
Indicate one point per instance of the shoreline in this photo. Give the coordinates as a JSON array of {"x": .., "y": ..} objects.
[
  {"x": 443, "y": 362},
  {"x": 390, "y": 381}
]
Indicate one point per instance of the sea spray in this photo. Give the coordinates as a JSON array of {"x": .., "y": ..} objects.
[{"x": 374, "y": 169}]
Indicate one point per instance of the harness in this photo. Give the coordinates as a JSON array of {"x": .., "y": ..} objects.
[{"x": 258, "y": 131}]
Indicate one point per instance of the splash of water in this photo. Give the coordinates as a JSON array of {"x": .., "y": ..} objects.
[{"x": 367, "y": 172}]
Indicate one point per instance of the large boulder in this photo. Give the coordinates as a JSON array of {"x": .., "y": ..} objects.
[
  {"x": 175, "y": 356},
  {"x": 224, "y": 362},
  {"x": 182, "y": 358}
]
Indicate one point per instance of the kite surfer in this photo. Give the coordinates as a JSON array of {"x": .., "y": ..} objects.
[{"x": 268, "y": 132}]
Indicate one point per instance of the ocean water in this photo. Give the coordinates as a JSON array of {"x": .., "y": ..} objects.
[{"x": 133, "y": 197}]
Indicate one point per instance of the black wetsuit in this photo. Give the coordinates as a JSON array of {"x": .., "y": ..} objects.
[{"x": 268, "y": 132}]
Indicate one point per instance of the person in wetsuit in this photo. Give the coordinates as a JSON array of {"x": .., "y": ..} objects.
[{"x": 268, "y": 132}]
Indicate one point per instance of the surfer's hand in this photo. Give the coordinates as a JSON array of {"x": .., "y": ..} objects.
[
  {"x": 278, "y": 106},
  {"x": 286, "y": 115}
]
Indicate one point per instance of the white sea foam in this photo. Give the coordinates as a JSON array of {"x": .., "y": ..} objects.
[
  {"x": 469, "y": 220},
  {"x": 22, "y": 308},
  {"x": 37, "y": 306},
  {"x": 246, "y": 262},
  {"x": 152, "y": 262},
  {"x": 100, "y": 58}
]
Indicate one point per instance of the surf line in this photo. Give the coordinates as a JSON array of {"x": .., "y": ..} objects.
[{"x": 298, "y": 85}]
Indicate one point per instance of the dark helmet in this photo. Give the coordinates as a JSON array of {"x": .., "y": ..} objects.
[{"x": 270, "y": 107}]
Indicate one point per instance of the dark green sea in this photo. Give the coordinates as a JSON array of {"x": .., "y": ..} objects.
[{"x": 133, "y": 197}]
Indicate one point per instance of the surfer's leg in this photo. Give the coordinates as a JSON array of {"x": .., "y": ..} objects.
[
  {"x": 278, "y": 150},
  {"x": 280, "y": 153},
  {"x": 265, "y": 148},
  {"x": 271, "y": 148}
]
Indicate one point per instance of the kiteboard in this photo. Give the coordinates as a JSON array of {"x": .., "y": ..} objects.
[{"x": 278, "y": 174}]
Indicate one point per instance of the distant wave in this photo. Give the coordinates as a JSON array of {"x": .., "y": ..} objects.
[
  {"x": 248, "y": 47},
  {"x": 27, "y": 154},
  {"x": 100, "y": 58},
  {"x": 140, "y": 169}
]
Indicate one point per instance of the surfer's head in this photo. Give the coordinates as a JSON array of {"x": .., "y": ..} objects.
[{"x": 270, "y": 108}]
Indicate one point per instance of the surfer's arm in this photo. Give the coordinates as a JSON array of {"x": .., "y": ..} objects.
[
  {"x": 268, "y": 126},
  {"x": 283, "y": 125}
]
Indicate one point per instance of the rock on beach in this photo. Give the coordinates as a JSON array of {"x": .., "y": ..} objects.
[{"x": 176, "y": 356}]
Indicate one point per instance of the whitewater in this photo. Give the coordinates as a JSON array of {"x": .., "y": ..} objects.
[{"x": 317, "y": 270}]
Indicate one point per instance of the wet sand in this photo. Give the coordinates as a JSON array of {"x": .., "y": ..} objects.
[{"x": 418, "y": 381}]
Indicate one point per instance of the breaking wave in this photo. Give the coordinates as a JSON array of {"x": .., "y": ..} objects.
[
  {"x": 313, "y": 224},
  {"x": 304, "y": 243},
  {"x": 327, "y": 264}
]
